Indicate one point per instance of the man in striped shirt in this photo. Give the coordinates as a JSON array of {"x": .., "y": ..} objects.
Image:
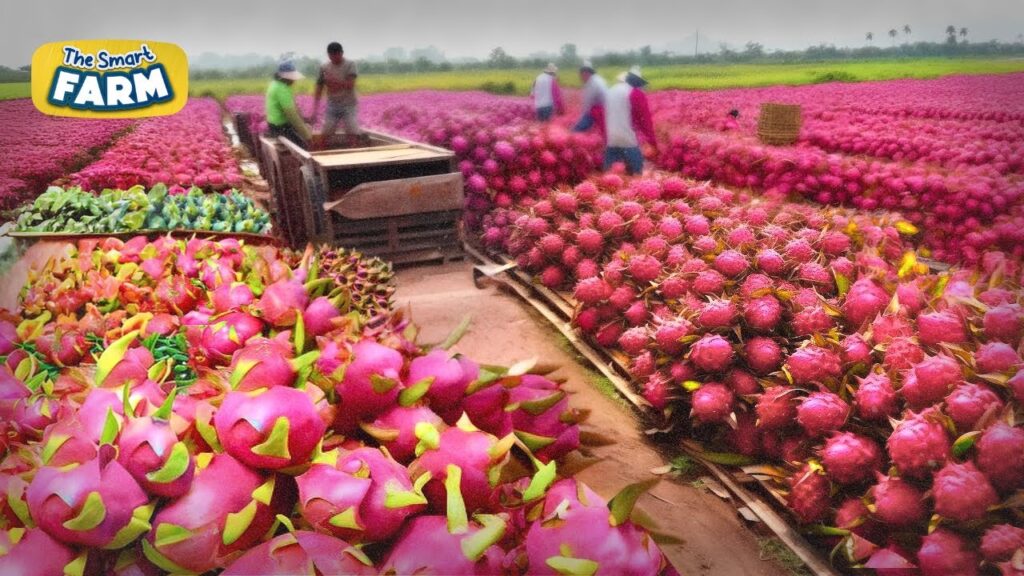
[{"x": 627, "y": 119}]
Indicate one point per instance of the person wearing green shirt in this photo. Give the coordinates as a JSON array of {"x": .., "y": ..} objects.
[{"x": 283, "y": 118}]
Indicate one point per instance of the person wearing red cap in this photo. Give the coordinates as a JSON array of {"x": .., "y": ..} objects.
[
  {"x": 547, "y": 96},
  {"x": 594, "y": 89},
  {"x": 627, "y": 119}
]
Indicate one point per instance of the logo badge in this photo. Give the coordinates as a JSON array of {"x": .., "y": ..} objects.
[{"x": 109, "y": 78}]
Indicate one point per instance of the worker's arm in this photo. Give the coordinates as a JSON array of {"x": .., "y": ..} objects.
[
  {"x": 287, "y": 103},
  {"x": 349, "y": 83},
  {"x": 641, "y": 113}
]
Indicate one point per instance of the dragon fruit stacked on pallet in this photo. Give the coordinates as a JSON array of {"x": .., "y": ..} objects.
[
  {"x": 795, "y": 335},
  {"x": 189, "y": 406}
]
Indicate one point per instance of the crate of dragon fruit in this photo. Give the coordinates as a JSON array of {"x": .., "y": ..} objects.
[{"x": 386, "y": 196}]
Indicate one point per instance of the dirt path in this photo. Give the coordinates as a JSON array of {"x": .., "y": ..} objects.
[{"x": 715, "y": 541}]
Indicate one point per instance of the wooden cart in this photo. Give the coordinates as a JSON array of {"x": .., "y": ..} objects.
[{"x": 393, "y": 198}]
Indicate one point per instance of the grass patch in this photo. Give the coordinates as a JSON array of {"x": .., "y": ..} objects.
[
  {"x": 15, "y": 90},
  {"x": 773, "y": 549},
  {"x": 833, "y": 76},
  {"x": 605, "y": 387}
]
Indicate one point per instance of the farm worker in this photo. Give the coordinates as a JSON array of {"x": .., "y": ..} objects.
[
  {"x": 283, "y": 118},
  {"x": 627, "y": 118},
  {"x": 594, "y": 89},
  {"x": 338, "y": 76},
  {"x": 547, "y": 96}
]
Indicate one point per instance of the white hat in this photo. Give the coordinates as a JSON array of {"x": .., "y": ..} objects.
[
  {"x": 633, "y": 76},
  {"x": 551, "y": 68},
  {"x": 587, "y": 66},
  {"x": 286, "y": 69}
]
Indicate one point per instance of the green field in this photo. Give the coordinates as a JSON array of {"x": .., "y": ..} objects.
[{"x": 688, "y": 76}]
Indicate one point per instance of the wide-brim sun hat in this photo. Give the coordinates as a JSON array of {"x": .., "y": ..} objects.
[
  {"x": 633, "y": 76},
  {"x": 287, "y": 70}
]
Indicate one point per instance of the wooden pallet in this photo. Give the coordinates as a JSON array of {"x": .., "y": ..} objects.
[{"x": 748, "y": 486}]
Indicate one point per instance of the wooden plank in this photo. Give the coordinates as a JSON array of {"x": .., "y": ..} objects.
[
  {"x": 340, "y": 159},
  {"x": 401, "y": 197},
  {"x": 330, "y": 152}
]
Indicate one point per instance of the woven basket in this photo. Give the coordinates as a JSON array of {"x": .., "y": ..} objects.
[{"x": 779, "y": 123}]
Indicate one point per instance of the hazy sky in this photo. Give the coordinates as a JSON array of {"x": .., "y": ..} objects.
[{"x": 472, "y": 28}]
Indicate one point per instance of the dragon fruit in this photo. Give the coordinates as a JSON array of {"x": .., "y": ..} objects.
[
  {"x": 299, "y": 552},
  {"x": 396, "y": 429},
  {"x": 361, "y": 496},
  {"x": 33, "y": 552},
  {"x": 763, "y": 354},
  {"x": 811, "y": 320},
  {"x": 849, "y": 458},
  {"x": 919, "y": 444},
  {"x": 69, "y": 442},
  {"x": 968, "y": 403},
  {"x": 1001, "y": 456},
  {"x": 944, "y": 553},
  {"x": 901, "y": 353},
  {"x": 930, "y": 380},
  {"x": 731, "y": 263},
  {"x": 712, "y": 402},
  {"x": 711, "y": 353},
  {"x": 150, "y": 451},
  {"x": 634, "y": 340},
  {"x": 1004, "y": 323},
  {"x": 228, "y": 508},
  {"x": 875, "y": 399},
  {"x": 644, "y": 268},
  {"x": 576, "y": 534},
  {"x": 263, "y": 363},
  {"x": 854, "y": 515},
  {"x": 809, "y": 495},
  {"x": 962, "y": 492},
  {"x": 454, "y": 545},
  {"x": 273, "y": 428},
  {"x": 370, "y": 384},
  {"x": 231, "y": 297},
  {"x": 996, "y": 357},
  {"x": 96, "y": 504},
  {"x": 743, "y": 383},
  {"x": 215, "y": 343},
  {"x": 864, "y": 301},
  {"x": 717, "y": 314},
  {"x": 855, "y": 351},
  {"x": 282, "y": 303},
  {"x": 477, "y": 455},
  {"x": 541, "y": 418},
  {"x": 896, "y": 502},
  {"x": 118, "y": 367},
  {"x": 319, "y": 317},
  {"x": 822, "y": 412},
  {"x": 938, "y": 327},
  {"x": 449, "y": 378},
  {"x": 813, "y": 364},
  {"x": 763, "y": 314},
  {"x": 668, "y": 336},
  {"x": 776, "y": 408},
  {"x": 60, "y": 346},
  {"x": 1001, "y": 542}
]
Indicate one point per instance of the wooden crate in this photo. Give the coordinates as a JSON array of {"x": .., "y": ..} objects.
[
  {"x": 393, "y": 198},
  {"x": 281, "y": 170}
]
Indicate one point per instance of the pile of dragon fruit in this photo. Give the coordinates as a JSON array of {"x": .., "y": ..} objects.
[
  {"x": 186, "y": 149},
  {"x": 186, "y": 406},
  {"x": 812, "y": 338},
  {"x": 35, "y": 148}
]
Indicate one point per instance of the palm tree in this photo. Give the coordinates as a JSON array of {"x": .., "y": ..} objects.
[
  {"x": 950, "y": 30},
  {"x": 869, "y": 36},
  {"x": 892, "y": 34},
  {"x": 906, "y": 30},
  {"x": 963, "y": 34}
]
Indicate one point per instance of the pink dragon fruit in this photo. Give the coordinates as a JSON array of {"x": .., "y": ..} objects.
[
  {"x": 849, "y": 458},
  {"x": 231, "y": 297},
  {"x": 731, "y": 263},
  {"x": 96, "y": 504},
  {"x": 864, "y": 301},
  {"x": 668, "y": 336},
  {"x": 763, "y": 354},
  {"x": 938, "y": 327},
  {"x": 717, "y": 314},
  {"x": 811, "y": 320},
  {"x": 919, "y": 444},
  {"x": 875, "y": 398},
  {"x": 8, "y": 337},
  {"x": 217, "y": 342},
  {"x": 708, "y": 282},
  {"x": 634, "y": 340},
  {"x": 454, "y": 545},
  {"x": 930, "y": 380},
  {"x": 743, "y": 383},
  {"x": 712, "y": 353},
  {"x": 813, "y": 364},
  {"x": 644, "y": 268},
  {"x": 282, "y": 303},
  {"x": 962, "y": 492},
  {"x": 996, "y": 357},
  {"x": 576, "y": 534},
  {"x": 479, "y": 456},
  {"x": 541, "y": 418},
  {"x": 853, "y": 515},
  {"x": 896, "y": 502},
  {"x": 592, "y": 290},
  {"x": 745, "y": 438},
  {"x": 822, "y": 412},
  {"x": 776, "y": 408},
  {"x": 228, "y": 508},
  {"x": 118, "y": 367},
  {"x": 33, "y": 552},
  {"x": 890, "y": 326},
  {"x": 69, "y": 442},
  {"x": 968, "y": 403},
  {"x": 273, "y": 428},
  {"x": 809, "y": 495},
  {"x": 396, "y": 430},
  {"x": 1001, "y": 542},
  {"x": 263, "y": 363},
  {"x": 1004, "y": 323},
  {"x": 298, "y": 552},
  {"x": 1001, "y": 456},
  {"x": 370, "y": 385},
  {"x": 319, "y": 317},
  {"x": 656, "y": 390},
  {"x": 449, "y": 378},
  {"x": 1016, "y": 386},
  {"x": 763, "y": 314},
  {"x": 150, "y": 451},
  {"x": 902, "y": 353},
  {"x": 361, "y": 496},
  {"x": 712, "y": 402},
  {"x": 944, "y": 553}
]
